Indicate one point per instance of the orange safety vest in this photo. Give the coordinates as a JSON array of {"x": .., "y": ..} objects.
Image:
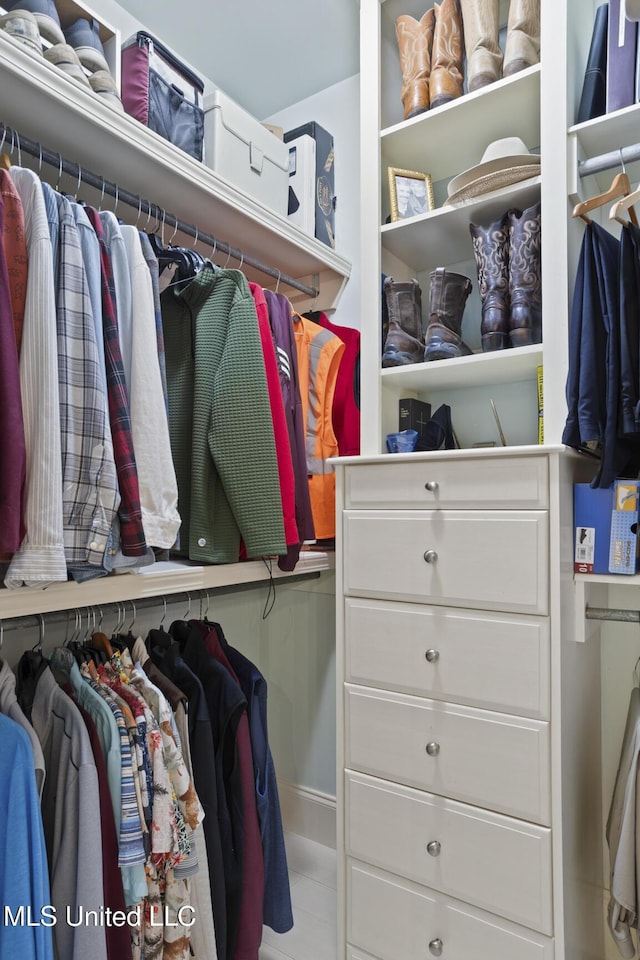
[{"x": 319, "y": 354}]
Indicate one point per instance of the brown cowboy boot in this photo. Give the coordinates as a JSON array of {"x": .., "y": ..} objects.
[
  {"x": 481, "y": 19},
  {"x": 446, "y": 81},
  {"x": 415, "y": 39},
  {"x": 522, "y": 48},
  {"x": 491, "y": 251},
  {"x": 525, "y": 286},
  {"x": 448, "y": 294},
  {"x": 404, "y": 343}
]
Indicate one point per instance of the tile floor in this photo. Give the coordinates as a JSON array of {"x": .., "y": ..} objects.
[{"x": 312, "y": 877}]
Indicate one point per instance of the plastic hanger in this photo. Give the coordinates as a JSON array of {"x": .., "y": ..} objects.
[{"x": 620, "y": 187}]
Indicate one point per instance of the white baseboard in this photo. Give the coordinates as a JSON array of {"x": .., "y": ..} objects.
[{"x": 308, "y": 812}]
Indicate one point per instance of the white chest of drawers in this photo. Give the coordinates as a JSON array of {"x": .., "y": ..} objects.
[{"x": 464, "y": 712}]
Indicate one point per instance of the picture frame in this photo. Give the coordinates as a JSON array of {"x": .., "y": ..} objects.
[{"x": 410, "y": 193}]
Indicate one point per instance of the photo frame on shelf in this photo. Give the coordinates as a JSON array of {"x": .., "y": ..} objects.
[{"x": 410, "y": 193}]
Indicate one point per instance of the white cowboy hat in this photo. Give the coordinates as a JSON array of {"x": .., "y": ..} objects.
[{"x": 504, "y": 162}]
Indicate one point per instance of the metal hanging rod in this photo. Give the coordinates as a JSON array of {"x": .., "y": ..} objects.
[
  {"x": 98, "y": 610},
  {"x": 612, "y": 613},
  {"x": 605, "y": 161},
  {"x": 82, "y": 175}
]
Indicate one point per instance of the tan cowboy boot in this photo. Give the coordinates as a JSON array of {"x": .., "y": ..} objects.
[
  {"x": 415, "y": 39},
  {"x": 484, "y": 56},
  {"x": 446, "y": 82},
  {"x": 522, "y": 48}
]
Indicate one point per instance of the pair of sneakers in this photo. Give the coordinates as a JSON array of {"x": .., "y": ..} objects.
[{"x": 77, "y": 50}]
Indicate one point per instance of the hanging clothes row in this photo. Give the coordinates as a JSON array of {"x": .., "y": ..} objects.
[
  {"x": 139, "y": 422},
  {"x": 603, "y": 382},
  {"x": 158, "y": 799}
]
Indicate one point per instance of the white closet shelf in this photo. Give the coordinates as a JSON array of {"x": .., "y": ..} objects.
[
  {"x": 481, "y": 369},
  {"x": 41, "y": 102},
  {"x": 453, "y": 137},
  {"x": 159, "y": 580},
  {"x": 604, "y": 134},
  {"x": 442, "y": 236}
]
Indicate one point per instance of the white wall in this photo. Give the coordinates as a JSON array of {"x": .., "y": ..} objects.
[{"x": 337, "y": 109}]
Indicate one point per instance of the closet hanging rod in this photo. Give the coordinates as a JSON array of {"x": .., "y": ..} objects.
[
  {"x": 143, "y": 603},
  {"x": 605, "y": 161},
  {"x": 612, "y": 613},
  {"x": 82, "y": 175}
]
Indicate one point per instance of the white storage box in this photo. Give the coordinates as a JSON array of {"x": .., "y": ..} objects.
[{"x": 245, "y": 153}]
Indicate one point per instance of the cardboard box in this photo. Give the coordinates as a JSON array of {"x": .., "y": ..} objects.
[
  {"x": 623, "y": 552},
  {"x": 413, "y": 415},
  {"x": 592, "y": 521},
  {"x": 303, "y": 166},
  {"x": 240, "y": 149}
]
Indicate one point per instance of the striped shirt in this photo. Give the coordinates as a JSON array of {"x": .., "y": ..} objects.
[{"x": 90, "y": 485}]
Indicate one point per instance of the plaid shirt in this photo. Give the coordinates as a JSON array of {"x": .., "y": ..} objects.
[
  {"x": 131, "y": 531},
  {"x": 89, "y": 481}
]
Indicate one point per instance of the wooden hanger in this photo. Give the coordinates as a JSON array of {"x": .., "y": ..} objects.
[
  {"x": 620, "y": 187},
  {"x": 5, "y": 161},
  {"x": 626, "y": 203}
]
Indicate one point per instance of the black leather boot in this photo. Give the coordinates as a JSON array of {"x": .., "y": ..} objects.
[
  {"x": 491, "y": 251},
  {"x": 525, "y": 286},
  {"x": 404, "y": 343},
  {"x": 448, "y": 293}
]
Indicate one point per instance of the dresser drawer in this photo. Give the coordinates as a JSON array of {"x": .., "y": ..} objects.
[
  {"x": 491, "y": 560},
  {"x": 492, "y": 759},
  {"x": 513, "y": 482},
  {"x": 494, "y": 660},
  {"x": 396, "y": 919},
  {"x": 493, "y": 862}
]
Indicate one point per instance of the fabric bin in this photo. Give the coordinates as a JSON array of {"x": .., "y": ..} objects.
[{"x": 240, "y": 149}]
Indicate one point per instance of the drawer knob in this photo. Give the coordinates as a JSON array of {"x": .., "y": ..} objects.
[
  {"x": 430, "y": 556},
  {"x": 434, "y": 848},
  {"x": 433, "y": 749},
  {"x": 431, "y": 486},
  {"x": 432, "y": 655},
  {"x": 436, "y": 947}
]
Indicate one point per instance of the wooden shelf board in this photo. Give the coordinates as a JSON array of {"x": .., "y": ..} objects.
[{"x": 481, "y": 369}]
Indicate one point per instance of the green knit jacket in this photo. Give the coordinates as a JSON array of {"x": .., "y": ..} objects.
[{"x": 220, "y": 420}]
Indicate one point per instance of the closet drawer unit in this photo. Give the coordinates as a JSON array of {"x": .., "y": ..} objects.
[
  {"x": 398, "y": 920},
  {"x": 493, "y": 660},
  {"x": 488, "y": 560},
  {"x": 514, "y": 482},
  {"x": 494, "y": 862},
  {"x": 493, "y": 759}
]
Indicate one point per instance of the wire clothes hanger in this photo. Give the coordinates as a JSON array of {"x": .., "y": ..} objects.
[{"x": 620, "y": 187}]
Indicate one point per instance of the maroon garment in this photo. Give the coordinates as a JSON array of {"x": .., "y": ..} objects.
[
  {"x": 13, "y": 456},
  {"x": 131, "y": 530},
  {"x": 345, "y": 412},
  {"x": 118, "y": 938},
  {"x": 251, "y": 906},
  {"x": 287, "y": 357}
]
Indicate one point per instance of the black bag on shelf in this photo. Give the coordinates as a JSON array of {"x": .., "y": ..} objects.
[
  {"x": 593, "y": 102},
  {"x": 163, "y": 93}
]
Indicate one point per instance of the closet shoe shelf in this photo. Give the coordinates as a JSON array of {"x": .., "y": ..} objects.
[
  {"x": 158, "y": 580},
  {"x": 442, "y": 235},
  {"x": 481, "y": 369},
  {"x": 406, "y": 144},
  {"x": 47, "y": 106}
]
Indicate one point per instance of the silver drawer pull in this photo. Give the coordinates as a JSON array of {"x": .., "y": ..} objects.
[
  {"x": 436, "y": 947},
  {"x": 434, "y": 848},
  {"x": 431, "y": 486},
  {"x": 433, "y": 749},
  {"x": 432, "y": 655},
  {"x": 430, "y": 556}
]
